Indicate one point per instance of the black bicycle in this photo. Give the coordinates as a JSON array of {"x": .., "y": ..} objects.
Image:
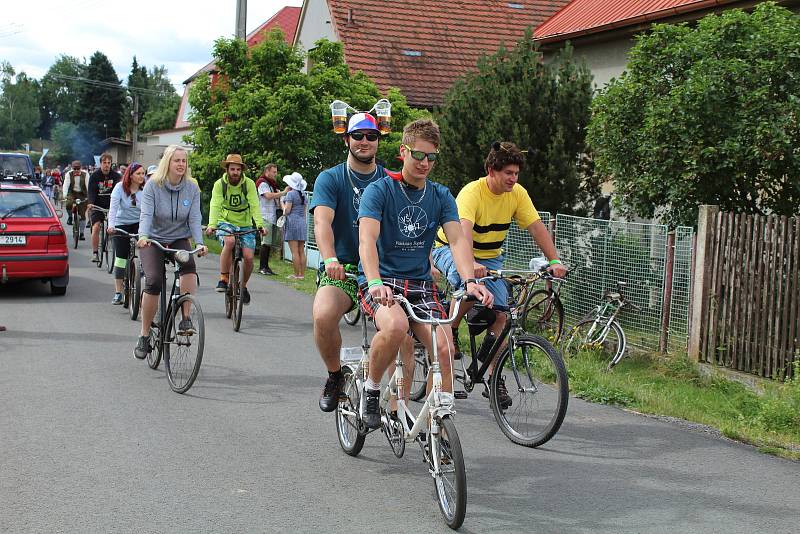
[
  {"x": 233, "y": 296},
  {"x": 181, "y": 347},
  {"x": 528, "y": 368},
  {"x": 543, "y": 312},
  {"x": 132, "y": 281},
  {"x": 76, "y": 231},
  {"x": 104, "y": 250}
]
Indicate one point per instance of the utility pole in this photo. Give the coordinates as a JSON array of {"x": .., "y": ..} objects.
[
  {"x": 135, "y": 115},
  {"x": 241, "y": 19}
]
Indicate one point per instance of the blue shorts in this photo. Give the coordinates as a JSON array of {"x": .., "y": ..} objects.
[
  {"x": 443, "y": 260},
  {"x": 248, "y": 240}
]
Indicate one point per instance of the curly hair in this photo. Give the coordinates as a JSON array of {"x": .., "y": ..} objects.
[
  {"x": 503, "y": 154},
  {"x": 423, "y": 130}
]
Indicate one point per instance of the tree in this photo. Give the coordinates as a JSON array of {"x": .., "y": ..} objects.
[
  {"x": 264, "y": 107},
  {"x": 157, "y": 111},
  {"x": 543, "y": 107},
  {"x": 706, "y": 115},
  {"x": 19, "y": 107},
  {"x": 102, "y": 103},
  {"x": 59, "y": 97}
]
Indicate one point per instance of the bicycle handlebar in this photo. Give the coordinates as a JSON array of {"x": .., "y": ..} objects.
[
  {"x": 520, "y": 276},
  {"x": 458, "y": 296},
  {"x": 181, "y": 256},
  {"x": 123, "y": 232},
  {"x": 238, "y": 232}
]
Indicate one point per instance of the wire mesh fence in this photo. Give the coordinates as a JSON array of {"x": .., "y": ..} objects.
[
  {"x": 519, "y": 246},
  {"x": 603, "y": 253}
]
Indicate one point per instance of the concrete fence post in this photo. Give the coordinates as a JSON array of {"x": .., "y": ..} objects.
[{"x": 701, "y": 277}]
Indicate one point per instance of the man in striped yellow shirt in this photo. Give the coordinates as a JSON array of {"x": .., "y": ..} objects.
[{"x": 486, "y": 208}]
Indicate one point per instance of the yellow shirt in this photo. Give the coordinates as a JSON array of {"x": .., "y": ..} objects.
[{"x": 491, "y": 216}]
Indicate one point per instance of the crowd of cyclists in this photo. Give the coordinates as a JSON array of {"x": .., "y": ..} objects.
[{"x": 396, "y": 230}]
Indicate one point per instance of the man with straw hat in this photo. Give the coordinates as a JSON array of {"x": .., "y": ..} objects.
[{"x": 234, "y": 208}]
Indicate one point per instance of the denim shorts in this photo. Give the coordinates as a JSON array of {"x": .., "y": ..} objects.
[
  {"x": 443, "y": 260},
  {"x": 248, "y": 240}
]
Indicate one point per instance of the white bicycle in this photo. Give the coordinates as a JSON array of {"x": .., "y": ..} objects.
[{"x": 433, "y": 428}]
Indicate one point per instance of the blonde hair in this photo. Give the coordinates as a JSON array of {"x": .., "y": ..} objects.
[
  {"x": 160, "y": 175},
  {"x": 423, "y": 130}
]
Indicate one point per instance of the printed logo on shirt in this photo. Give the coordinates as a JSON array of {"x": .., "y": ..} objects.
[
  {"x": 186, "y": 202},
  {"x": 357, "y": 199},
  {"x": 412, "y": 221},
  {"x": 236, "y": 200}
]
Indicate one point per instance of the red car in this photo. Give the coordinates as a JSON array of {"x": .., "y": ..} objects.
[{"x": 32, "y": 241}]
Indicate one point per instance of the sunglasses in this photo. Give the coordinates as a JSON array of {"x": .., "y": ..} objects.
[
  {"x": 358, "y": 136},
  {"x": 419, "y": 155}
]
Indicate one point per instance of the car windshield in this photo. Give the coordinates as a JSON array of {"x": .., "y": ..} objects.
[
  {"x": 21, "y": 204},
  {"x": 11, "y": 165}
]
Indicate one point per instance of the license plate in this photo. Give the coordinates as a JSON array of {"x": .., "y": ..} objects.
[{"x": 12, "y": 239}]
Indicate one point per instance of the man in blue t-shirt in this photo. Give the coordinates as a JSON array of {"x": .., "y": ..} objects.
[
  {"x": 337, "y": 193},
  {"x": 398, "y": 220}
]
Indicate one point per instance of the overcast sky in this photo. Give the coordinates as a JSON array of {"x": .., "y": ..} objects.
[{"x": 176, "y": 33}]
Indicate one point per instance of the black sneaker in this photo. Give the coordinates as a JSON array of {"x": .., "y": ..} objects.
[
  {"x": 372, "y": 410},
  {"x": 69, "y": 220},
  {"x": 331, "y": 392},
  {"x": 186, "y": 328},
  {"x": 502, "y": 393},
  {"x": 142, "y": 347},
  {"x": 268, "y": 272},
  {"x": 222, "y": 286},
  {"x": 245, "y": 296},
  {"x": 82, "y": 237}
]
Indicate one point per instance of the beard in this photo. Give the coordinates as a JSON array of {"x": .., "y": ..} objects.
[{"x": 362, "y": 159}]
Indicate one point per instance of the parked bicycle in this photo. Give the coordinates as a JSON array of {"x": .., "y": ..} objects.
[
  {"x": 433, "y": 428},
  {"x": 76, "y": 232},
  {"x": 132, "y": 281},
  {"x": 233, "y": 295},
  {"x": 182, "y": 351},
  {"x": 600, "y": 331},
  {"x": 543, "y": 312}
]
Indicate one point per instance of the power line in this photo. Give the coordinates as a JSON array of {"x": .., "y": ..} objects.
[{"x": 109, "y": 85}]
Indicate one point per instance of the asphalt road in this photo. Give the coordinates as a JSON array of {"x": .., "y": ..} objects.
[{"x": 92, "y": 440}]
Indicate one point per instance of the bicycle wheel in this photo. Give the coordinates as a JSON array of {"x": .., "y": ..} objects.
[
  {"x": 446, "y": 464},
  {"x": 348, "y": 423},
  {"x": 544, "y": 315},
  {"x": 135, "y": 289},
  {"x": 75, "y": 230},
  {"x": 352, "y": 316},
  {"x": 588, "y": 338},
  {"x": 420, "y": 379},
  {"x": 103, "y": 253},
  {"x": 127, "y": 285},
  {"x": 110, "y": 256},
  {"x": 183, "y": 350},
  {"x": 537, "y": 383},
  {"x": 238, "y": 278},
  {"x": 154, "y": 356}
]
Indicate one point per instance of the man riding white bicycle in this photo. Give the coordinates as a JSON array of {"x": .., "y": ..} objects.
[
  {"x": 234, "y": 208},
  {"x": 398, "y": 218},
  {"x": 486, "y": 208}
]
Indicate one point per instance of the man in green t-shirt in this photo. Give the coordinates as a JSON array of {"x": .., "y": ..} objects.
[{"x": 234, "y": 208}]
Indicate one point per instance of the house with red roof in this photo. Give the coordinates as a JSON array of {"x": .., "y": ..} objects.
[
  {"x": 420, "y": 48},
  {"x": 285, "y": 19},
  {"x": 602, "y": 31}
]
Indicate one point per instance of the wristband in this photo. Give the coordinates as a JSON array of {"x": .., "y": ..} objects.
[
  {"x": 331, "y": 260},
  {"x": 555, "y": 262},
  {"x": 374, "y": 282}
]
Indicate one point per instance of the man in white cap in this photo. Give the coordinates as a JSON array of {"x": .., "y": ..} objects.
[
  {"x": 234, "y": 207},
  {"x": 337, "y": 195}
]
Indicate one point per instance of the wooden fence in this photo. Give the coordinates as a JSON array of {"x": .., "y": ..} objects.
[{"x": 746, "y": 299}]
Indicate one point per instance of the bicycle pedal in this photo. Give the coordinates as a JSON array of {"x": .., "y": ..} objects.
[{"x": 460, "y": 394}]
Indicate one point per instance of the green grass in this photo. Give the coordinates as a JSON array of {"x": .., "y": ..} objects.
[{"x": 673, "y": 386}]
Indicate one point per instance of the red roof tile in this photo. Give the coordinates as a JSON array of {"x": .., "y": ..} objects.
[
  {"x": 422, "y": 48},
  {"x": 582, "y": 17}
]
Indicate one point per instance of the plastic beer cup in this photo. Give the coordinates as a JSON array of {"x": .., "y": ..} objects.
[
  {"x": 383, "y": 110},
  {"x": 339, "y": 116}
]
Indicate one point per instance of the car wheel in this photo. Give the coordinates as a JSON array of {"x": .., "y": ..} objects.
[{"x": 57, "y": 290}]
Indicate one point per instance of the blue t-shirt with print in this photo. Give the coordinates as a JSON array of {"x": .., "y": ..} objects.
[
  {"x": 409, "y": 220},
  {"x": 334, "y": 189}
]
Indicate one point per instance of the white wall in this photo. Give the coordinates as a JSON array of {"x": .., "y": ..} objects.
[{"x": 315, "y": 25}]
